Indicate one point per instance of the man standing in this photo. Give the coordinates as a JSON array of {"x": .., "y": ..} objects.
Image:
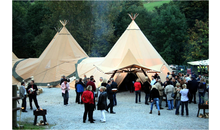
[
  {"x": 147, "y": 88},
  {"x": 192, "y": 86},
  {"x": 22, "y": 94},
  {"x": 152, "y": 81},
  {"x": 110, "y": 97},
  {"x": 160, "y": 88},
  {"x": 85, "y": 79},
  {"x": 63, "y": 78},
  {"x": 32, "y": 93},
  {"x": 65, "y": 91},
  {"x": 114, "y": 85},
  {"x": 99, "y": 85}
]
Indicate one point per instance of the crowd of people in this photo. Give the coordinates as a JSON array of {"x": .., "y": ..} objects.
[
  {"x": 86, "y": 91},
  {"x": 178, "y": 90}
]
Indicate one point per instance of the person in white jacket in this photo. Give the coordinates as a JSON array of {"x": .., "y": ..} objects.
[{"x": 184, "y": 99}]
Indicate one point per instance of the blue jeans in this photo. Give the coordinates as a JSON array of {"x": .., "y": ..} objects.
[
  {"x": 170, "y": 104},
  {"x": 201, "y": 101},
  {"x": 178, "y": 102},
  {"x": 157, "y": 103}
]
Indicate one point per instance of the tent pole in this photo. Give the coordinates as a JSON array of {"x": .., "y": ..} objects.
[
  {"x": 144, "y": 72},
  {"x": 113, "y": 74}
]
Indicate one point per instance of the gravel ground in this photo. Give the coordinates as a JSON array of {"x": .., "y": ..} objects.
[{"x": 129, "y": 115}]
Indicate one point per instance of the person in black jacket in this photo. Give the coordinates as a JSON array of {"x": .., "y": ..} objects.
[
  {"x": 192, "y": 86},
  {"x": 147, "y": 88},
  {"x": 114, "y": 85},
  {"x": 154, "y": 97},
  {"x": 110, "y": 97},
  {"x": 102, "y": 103},
  {"x": 63, "y": 78},
  {"x": 32, "y": 94}
]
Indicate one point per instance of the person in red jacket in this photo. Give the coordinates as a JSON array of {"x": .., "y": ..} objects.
[
  {"x": 88, "y": 100},
  {"x": 137, "y": 89}
]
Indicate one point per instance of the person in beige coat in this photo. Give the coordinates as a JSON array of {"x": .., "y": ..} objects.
[
  {"x": 168, "y": 91},
  {"x": 160, "y": 88}
]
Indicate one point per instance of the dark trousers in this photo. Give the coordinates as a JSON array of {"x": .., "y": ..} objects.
[
  {"x": 182, "y": 107},
  {"x": 114, "y": 99},
  {"x": 24, "y": 103},
  {"x": 79, "y": 100},
  {"x": 34, "y": 97},
  {"x": 76, "y": 98},
  {"x": 89, "y": 111},
  {"x": 193, "y": 95},
  {"x": 147, "y": 95},
  {"x": 65, "y": 97},
  {"x": 160, "y": 101},
  {"x": 110, "y": 105},
  {"x": 138, "y": 93}
]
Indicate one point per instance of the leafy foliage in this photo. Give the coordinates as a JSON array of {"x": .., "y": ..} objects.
[{"x": 172, "y": 28}]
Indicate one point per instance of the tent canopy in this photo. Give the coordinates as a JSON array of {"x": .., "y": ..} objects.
[
  {"x": 134, "y": 50},
  {"x": 60, "y": 57},
  {"x": 201, "y": 62}
]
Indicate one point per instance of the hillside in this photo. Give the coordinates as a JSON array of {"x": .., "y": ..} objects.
[{"x": 150, "y": 5}]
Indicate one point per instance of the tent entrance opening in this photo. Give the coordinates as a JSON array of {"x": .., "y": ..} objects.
[{"x": 128, "y": 82}]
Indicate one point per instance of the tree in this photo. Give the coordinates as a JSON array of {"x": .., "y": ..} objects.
[
  {"x": 197, "y": 47},
  {"x": 194, "y": 10},
  {"x": 20, "y": 29},
  {"x": 169, "y": 34}
]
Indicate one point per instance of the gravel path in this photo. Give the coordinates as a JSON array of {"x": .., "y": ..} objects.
[{"x": 129, "y": 115}]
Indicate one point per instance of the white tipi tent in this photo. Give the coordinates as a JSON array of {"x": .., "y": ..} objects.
[
  {"x": 59, "y": 58},
  {"x": 134, "y": 48}
]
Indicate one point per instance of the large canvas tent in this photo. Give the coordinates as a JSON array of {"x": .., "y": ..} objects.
[
  {"x": 14, "y": 60},
  {"x": 133, "y": 48},
  {"x": 59, "y": 58}
]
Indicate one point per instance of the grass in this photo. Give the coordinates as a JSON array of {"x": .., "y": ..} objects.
[
  {"x": 150, "y": 6},
  {"x": 30, "y": 126}
]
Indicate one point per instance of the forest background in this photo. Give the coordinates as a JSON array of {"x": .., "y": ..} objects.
[{"x": 179, "y": 30}]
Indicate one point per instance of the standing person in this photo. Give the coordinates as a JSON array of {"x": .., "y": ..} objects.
[
  {"x": 147, "y": 88},
  {"x": 114, "y": 85},
  {"x": 160, "y": 88},
  {"x": 91, "y": 83},
  {"x": 85, "y": 79},
  {"x": 102, "y": 103},
  {"x": 32, "y": 93},
  {"x": 88, "y": 100},
  {"x": 22, "y": 94},
  {"x": 110, "y": 97},
  {"x": 137, "y": 89},
  {"x": 65, "y": 87},
  {"x": 202, "y": 90},
  {"x": 165, "y": 84},
  {"x": 104, "y": 82},
  {"x": 199, "y": 78},
  {"x": 184, "y": 100},
  {"x": 80, "y": 88},
  {"x": 76, "y": 82},
  {"x": 178, "y": 97},
  {"x": 168, "y": 91},
  {"x": 154, "y": 97},
  {"x": 192, "y": 86},
  {"x": 152, "y": 81},
  {"x": 99, "y": 85},
  {"x": 187, "y": 78},
  {"x": 173, "y": 75},
  {"x": 63, "y": 78}
]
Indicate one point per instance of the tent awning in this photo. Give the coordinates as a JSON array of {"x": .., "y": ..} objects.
[
  {"x": 131, "y": 68},
  {"x": 201, "y": 62}
]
